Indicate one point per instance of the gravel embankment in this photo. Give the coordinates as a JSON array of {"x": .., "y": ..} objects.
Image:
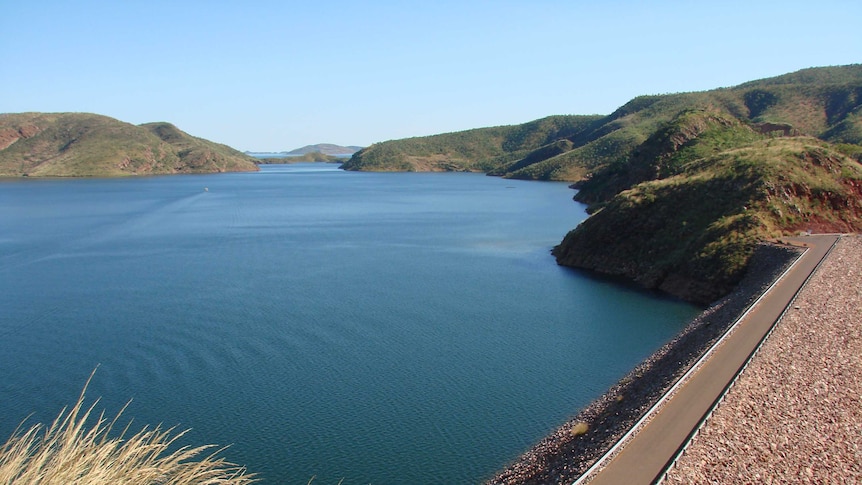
[
  {"x": 568, "y": 452},
  {"x": 795, "y": 413}
]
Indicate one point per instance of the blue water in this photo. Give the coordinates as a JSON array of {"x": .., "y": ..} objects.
[{"x": 377, "y": 327}]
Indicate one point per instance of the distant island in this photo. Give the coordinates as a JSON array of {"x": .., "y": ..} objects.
[
  {"x": 326, "y": 149},
  {"x": 681, "y": 187},
  {"x": 322, "y": 152},
  {"x": 319, "y": 150},
  {"x": 91, "y": 145}
]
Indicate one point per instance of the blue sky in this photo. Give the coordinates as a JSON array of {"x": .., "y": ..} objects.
[{"x": 272, "y": 76}]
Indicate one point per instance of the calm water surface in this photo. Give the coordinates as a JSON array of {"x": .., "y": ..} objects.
[{"x": 381, "y": 328}]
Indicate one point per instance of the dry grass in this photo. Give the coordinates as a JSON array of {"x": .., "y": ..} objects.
[{"x": 69, "y": 452}]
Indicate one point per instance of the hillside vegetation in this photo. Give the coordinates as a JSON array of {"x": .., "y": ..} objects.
[
  {"x": 81, "y": 145},
  {"x": 682, "y": 187},
  {"x": 690, "y": 227},
  {"x": 820, "y": 102},
  {"x": 482, "y": 149}
]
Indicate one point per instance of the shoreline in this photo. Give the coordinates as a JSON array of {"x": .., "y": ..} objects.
[{"x": 570, "y": 450}]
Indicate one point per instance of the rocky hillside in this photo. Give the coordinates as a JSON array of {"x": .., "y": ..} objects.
[
  {"x": 820, "y": 102},
  {"x": 482, "y": 149},
  {"x": 83, "y": 145},
  {"x": 691, "y": 206},
  {"x": 682, "y": 186}
]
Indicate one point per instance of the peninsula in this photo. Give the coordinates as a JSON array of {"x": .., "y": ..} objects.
[
  {"x": 91, "y": 145},
  {"x": 681, "y": 187}
]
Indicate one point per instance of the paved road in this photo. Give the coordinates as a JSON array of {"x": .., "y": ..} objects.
[{"x": 645, "y": 456}]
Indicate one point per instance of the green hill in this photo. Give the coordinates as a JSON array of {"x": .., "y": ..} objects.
[
  {"x": 83, "y": 145},
  {"x": 701, "y": 194},
  {"x": 482, "y": 149},
  {"x": 820, "y": 102},
  {"x": 681, "y": 186}
]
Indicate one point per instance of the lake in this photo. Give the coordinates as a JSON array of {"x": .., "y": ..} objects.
[{"x": 377, "y": 327}]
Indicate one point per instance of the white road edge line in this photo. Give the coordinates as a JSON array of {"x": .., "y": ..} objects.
[
  {"x": 587, "y": 475},
  {"x": 756, "y": 350}
]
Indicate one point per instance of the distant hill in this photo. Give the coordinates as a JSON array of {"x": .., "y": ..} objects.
[
  {"x": 325, "y": 149},
  {"x": 84, "y": 145},
  {"x": 482, "y": 149},
  {"x": 820, "y": 102},
  {"x": 682, "y": 187},
  {"x": 269, "y": 158}
]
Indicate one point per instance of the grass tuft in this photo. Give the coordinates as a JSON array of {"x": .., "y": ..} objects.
[
  {"x": 580, "y": 428},
  {"x": 68, "y": 451}
]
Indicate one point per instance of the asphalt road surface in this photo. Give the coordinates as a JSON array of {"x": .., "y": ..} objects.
[{"x": 644, "y": 457}]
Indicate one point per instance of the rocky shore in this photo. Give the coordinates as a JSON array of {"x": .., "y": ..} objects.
[
  {"x": 794, "y": 414},
  {"x": 564, "y": 455}
]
